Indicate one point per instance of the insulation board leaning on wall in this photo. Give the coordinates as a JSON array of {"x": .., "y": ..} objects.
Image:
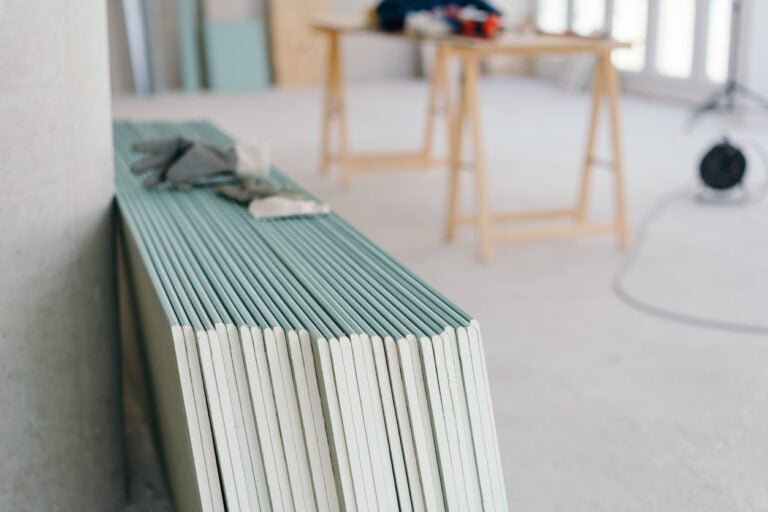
[{"x": 295, "y": 365}]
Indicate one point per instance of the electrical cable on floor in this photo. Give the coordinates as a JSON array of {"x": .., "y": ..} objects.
[
  {"x": 661, "y": 206},
  {"x": 762, "y": 192}
]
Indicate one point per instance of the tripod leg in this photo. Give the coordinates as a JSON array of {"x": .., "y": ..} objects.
[
  {"x": 708, "y": 105},
  {"x": 751, "y": 95}
]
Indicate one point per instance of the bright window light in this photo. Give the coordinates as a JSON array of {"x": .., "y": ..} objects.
[
  {"x": 588, "y": 16},
  {"x": 718, "y": 40},
  {"x": 552, "y": 15},
  {"x": 674, "y": 53},
  {"x": 630, "y": 19}
]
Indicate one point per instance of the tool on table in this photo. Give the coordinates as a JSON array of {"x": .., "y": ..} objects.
[
  {"x": 436, "y": 17},
  {"x": 268, "y": 200},
  {"x": 249, "y": 189}
]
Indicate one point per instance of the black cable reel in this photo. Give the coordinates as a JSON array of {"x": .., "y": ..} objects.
[{"x": 722, "y": 171}]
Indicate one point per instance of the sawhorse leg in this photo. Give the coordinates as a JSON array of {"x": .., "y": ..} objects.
[
  {"x": 334, "y": 110},
  {"x": 605, "y": 84},
  {"x": 468, "y": 109},
  {"x": 334, "y": 113},
  {"x": 456, "y": 116},
  {"x": 439, "y": 102},
  {"x": 618, "y": 158}
]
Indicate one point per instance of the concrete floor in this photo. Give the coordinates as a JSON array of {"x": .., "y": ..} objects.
[{"x": 599, "y": 407}]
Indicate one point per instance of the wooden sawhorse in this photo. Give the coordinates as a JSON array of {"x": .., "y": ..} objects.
[
  {"x": 334, "y": 113},
  {"x": 467, "y": 111},
  {"x": 464, "y": 110}
]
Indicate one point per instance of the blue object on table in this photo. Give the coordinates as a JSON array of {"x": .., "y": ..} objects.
[{"x": 391, "y": 13}]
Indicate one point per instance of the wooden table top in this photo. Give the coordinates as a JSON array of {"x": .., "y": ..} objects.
[{"x": 508, "y": 42}]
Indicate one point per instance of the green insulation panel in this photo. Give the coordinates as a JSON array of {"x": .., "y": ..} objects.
[{"x": 295, "y": 365}]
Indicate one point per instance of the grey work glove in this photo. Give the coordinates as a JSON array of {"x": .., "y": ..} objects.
[
  {"x": 183, "y": 161},
  {"x": 249, "y": 189}
]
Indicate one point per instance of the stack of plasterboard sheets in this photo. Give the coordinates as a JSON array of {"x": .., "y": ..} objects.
[{"x": 295, "y": 365}]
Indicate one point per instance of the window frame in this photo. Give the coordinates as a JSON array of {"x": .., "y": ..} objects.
[{"x": 649, "y": 80}]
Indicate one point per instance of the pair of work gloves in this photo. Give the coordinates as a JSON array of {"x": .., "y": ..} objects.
[{"x": 183, "y": 161}]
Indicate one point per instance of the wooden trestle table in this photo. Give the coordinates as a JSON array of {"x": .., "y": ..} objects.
[{"x": 464, "y": 112}]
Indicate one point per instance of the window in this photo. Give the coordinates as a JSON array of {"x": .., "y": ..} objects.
[
  {"x": 674, "y": 48},
  {"x": 588, "y": 17},
  {"x": 675, "y": 43},
  {"x": 719, "y": 35},
  {"x": 553, "y": 15},
  {"x": 630, "y": 21}
]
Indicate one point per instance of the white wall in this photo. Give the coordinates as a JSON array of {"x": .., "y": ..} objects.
[{"x": 60, "y": 435}]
